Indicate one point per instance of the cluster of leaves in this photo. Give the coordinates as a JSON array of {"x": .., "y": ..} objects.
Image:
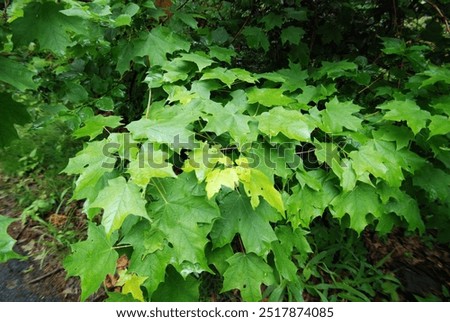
[{"x": 197, "y": 161}]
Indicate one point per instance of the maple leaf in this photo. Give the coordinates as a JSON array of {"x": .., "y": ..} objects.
[
  {"x": 360, "y": 202},
  {"x": 247, "y": 272},
  {"x": 338, "y": 115},
  {"x": 161, "y": 131},
  {"x": 153, "y": 265},
  {"x": 6, "y": 241},
  {"x": 131, "y": 284},
  {"x": 305, "y": 204},
  {"x": 408, "y": 111},
  {"x": 223, "y": 119},
  {"x": 148, "y": 164},
  {"x": 256, "y": 38},
  {"x": 95, "y": 125},
  {"x": 268, "y": 96},
  {"x": 436, "y": 74},
  {"x": 217, "y": 178},
  {"x": 45, "y": 23},
  {"x": 252, "y": 225},
  {"x": 169, "y": 290},
  {"x": 16, "y": 74},
  {"x": 203, "y": 159},
  {"x": 93, "y": 165},
  {"x": 226, "y": 76},
  {"x": 440, "y": 125},
  {"x": 283, "y": 262},
  {"x": 155, "y": 44},
  {"x": 92, "y": 260},
  {"x": 200, "y": 59},
  {"x": 292, "y": 124},
  {"x": 256, "y": 184},
  {"x": 292, "y": 34},
  {"x": 119, "y": 200},
  {"x": 291, "y": 78},
  {"x": 184, "y": 218}
]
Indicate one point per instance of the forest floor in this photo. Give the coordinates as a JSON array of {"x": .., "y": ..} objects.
[{"x": 423, "y": 270}]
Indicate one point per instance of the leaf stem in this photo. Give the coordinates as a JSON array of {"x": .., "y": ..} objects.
[{"x": 149, "y": 102}]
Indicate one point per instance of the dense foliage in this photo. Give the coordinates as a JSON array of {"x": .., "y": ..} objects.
[{"x": 218, "y": 134}]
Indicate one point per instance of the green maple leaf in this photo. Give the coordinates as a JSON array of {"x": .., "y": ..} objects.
[
  {"x": 268, "y": 96},
  {"x": 290, "y": 238},
  {"x": 217, "y": 178},
  {"x": 222, "y": 54},
  {"x": 148, "y": 164},
  {"x": 203, "y": 158},
  {"x": 247, "y": 272},
  {"x": 155, "y": 44},
  {"x": 256, "y": 38},
  {"x": 335, "y": 69},
  {"x": 292, "y": 35},
  {"x": 184, "y": 218},
  {"x": 404, "y": 206},
  {"x": 272, "y": 20},
  {"x": 6, "y": 241},
  {"x": 292, "y": 124},
  {"x": 252, "y": 225},
  {"x": 45, "y": 23},
  {"x": 16, "y": 74},
  {"x": 179, "y": 93},
  {"x": 169, "y": 291},
  {"x": 383, "y": 160},
  {"x": 434, "y": 181},
  {"x": 338, "y": 115},
  {"x": 153, "y": 265},
  {"x": 11, "y": 113},
  {"x": 274, "y": 161},
  {"x": 95, "y": 125},
  {"x": 283, "y": 262},
  {"x": 408, "y": 111},
  {"x": 226, "y": 76},
  {"x": 131, "y": 284},
  {"x": 400, "y": 134},
  {"x": 162, "y": 131},
  {"x": 144, "y": 239},
  {"x": 92, "y": 163},
  {"x": 291, "y": 78},
  {"x": 440, "y": 125},
  {"x": 257, "y": 184},
  {"x": 436, "y": 74},
  {"x": 222, "y": 119},
  {"x": 368, "y": 160},
  {"x": 360, "y": 202},
  {"x": 92, "y": 260},
  {"x": 119, "y": 200},
  {"x": 244, "y": 75},
  {"x": 200, "y": 59},
  {"x": 305, "y": 204},
  {"x": 105, "y": 104}
]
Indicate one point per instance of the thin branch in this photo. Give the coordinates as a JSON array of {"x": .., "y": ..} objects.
[
  {"x": 242, "y": 28},
  {"x": 439, "y": 11},
  {"x": 40, "y": 278}
]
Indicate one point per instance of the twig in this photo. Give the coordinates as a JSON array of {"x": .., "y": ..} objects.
[
  {"x": 439, "y": 11},
  {"x": 242, "y": 28},
  {"x": 40, "y": 278}
]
